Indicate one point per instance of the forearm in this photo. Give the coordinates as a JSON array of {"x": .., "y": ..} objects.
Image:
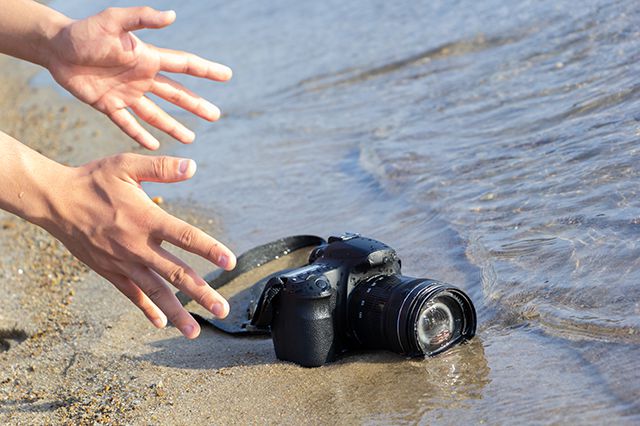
[
  {"x": 27, "y": 181},
  {"x": 27, "y": 29}
]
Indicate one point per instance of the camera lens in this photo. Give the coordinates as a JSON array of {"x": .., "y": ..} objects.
[
  {"x": 439, "y": 321},
  {"x": 408, "y": 315}
]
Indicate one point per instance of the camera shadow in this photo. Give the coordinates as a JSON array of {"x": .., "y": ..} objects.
[
  {"x": 213, "y": 350},
  {"x": 374, "y": 385},
  {"x": 217, "y": 350}
]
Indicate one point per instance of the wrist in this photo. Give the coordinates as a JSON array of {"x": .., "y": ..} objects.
[
  {"x": 30, "y": 182},
  {"x": 49, "y": 36},
  {"x": 42, "y": 186},
  {"x": 29, "y": 29},
  {"x": 43, "y": 203}
]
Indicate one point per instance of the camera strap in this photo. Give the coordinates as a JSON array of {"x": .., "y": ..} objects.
[{"x": 246, "y": 262}]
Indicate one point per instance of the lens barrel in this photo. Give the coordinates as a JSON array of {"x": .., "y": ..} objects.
[{"x": 411, "y": 316}]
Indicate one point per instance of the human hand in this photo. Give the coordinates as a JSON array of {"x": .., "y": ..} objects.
[
  {"x": 101, "y": 62},
  {"x": 102, "y": 215}
]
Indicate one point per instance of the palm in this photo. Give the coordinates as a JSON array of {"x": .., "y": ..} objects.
[
  {"x": 103, "y": 64},
  {"x": 109, "y": 79}
]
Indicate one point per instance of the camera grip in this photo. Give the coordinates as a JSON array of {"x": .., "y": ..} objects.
[{"x": 303, "y": 330}]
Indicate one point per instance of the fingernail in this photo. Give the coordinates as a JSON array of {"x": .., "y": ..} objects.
[
  {"x": 158, "y": 322},
  {"x": 187, "y": 135},
  {"x": 188, "y": 330},
  {"x": 218, "y": 310},
  {"x": 223, "y": 261},
  {"x": 212, "y": 110},
  {"x": 153, "y": 144},
  {"x": 183, "y": 166}
]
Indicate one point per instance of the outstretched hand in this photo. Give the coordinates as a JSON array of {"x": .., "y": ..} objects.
[
  {"x": 102, "y": 215},
  {"x": 101, "y": 62}
]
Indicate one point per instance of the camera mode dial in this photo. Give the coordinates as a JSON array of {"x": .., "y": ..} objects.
[{"x": 309, "y": 282}]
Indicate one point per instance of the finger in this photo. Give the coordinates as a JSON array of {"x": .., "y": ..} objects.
[
  {"x": 136, "y": 18},
  {"x": 188, "y": 237},
  {"x": 183, "y": 277},
  {"x": 188, "y": 63},
  {"x": 128, "y": 124},
  {"x": 154, "y": 115},
  {"x": 179, "y": 95},
  {"x": 147, "y": 168},
  {"x": 137, "y": 296},
  {"x": 162, "y": 296}
]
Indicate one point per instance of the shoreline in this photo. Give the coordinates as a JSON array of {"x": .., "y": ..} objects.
[{"x": 81, "y": 353}]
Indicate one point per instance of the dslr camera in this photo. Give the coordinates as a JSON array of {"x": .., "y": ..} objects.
[{"x": 351, "y": 295}]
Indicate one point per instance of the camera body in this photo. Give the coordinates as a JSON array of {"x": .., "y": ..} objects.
[
  {"x": 310, "y": 320},
  {"x": 340, "y": 300}
]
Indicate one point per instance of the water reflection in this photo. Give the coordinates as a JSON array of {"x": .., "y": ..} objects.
[{"x": 407, "y": 391}]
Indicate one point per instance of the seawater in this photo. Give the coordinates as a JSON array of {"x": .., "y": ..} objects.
[{"x": 493, "y": 144}]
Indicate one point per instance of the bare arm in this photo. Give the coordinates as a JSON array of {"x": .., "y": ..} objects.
[
  {"x": 27, "y": 28},
  {"x": 101, "y": 62},
  {"x": 102, "y": 215}
]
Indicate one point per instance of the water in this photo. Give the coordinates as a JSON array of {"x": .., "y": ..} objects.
[{"x": 492, "y": 144}]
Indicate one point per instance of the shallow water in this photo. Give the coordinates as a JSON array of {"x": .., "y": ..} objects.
[{"x": 492, "y": 144}]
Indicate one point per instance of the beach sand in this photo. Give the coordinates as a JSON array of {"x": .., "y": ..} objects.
[{"x": 74, "y": 351}]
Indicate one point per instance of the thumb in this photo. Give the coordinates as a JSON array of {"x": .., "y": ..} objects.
[
  {"x": 136, "y": 18},
  {"x": 146, "y": 168}
]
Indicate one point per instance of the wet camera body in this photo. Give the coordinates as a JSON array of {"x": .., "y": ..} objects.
[
  {"x": 337, "y": 303},
  {"x": 310, "y": 317}
]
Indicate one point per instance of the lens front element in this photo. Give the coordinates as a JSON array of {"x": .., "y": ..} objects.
[
  {"x": 438, "y": 323},
  {"x": 411, "y": 316}
]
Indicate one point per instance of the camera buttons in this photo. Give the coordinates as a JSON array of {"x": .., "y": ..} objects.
[
  {"x": 344, "y": 237},
  {"x": 322, "y": 284}
]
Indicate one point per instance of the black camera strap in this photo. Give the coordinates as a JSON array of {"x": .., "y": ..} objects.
[{"x": 246, "y": 262}]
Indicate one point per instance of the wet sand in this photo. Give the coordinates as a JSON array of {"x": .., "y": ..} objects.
[{"x": 73, "y": 350}]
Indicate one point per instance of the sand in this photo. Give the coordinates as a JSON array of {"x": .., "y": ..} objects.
[{"x": 75, "y": 351}]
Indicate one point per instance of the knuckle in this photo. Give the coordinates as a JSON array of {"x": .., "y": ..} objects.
[
  {"x": 175, "y": 317},
  {"x": 152, "y": 118},
  {"x": 161, "y": 167},
  {"x": 176, "y": 98},
  {"x": 136, "y": 254},
  {"x": 202, "y": 299},
  {"x": 119, "y": 158},
  {"x": 155, "y": 293},
  {"x": 110, "y": 14},
  {"x": 122, "y": 161},
  {"x": 148, "y": 219},
  {"x": 187, "y": 237},
  {"x": 179, "y": 277},
  {"x": 146, "y": 10},
  {"x": 186, "y": 64}
]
